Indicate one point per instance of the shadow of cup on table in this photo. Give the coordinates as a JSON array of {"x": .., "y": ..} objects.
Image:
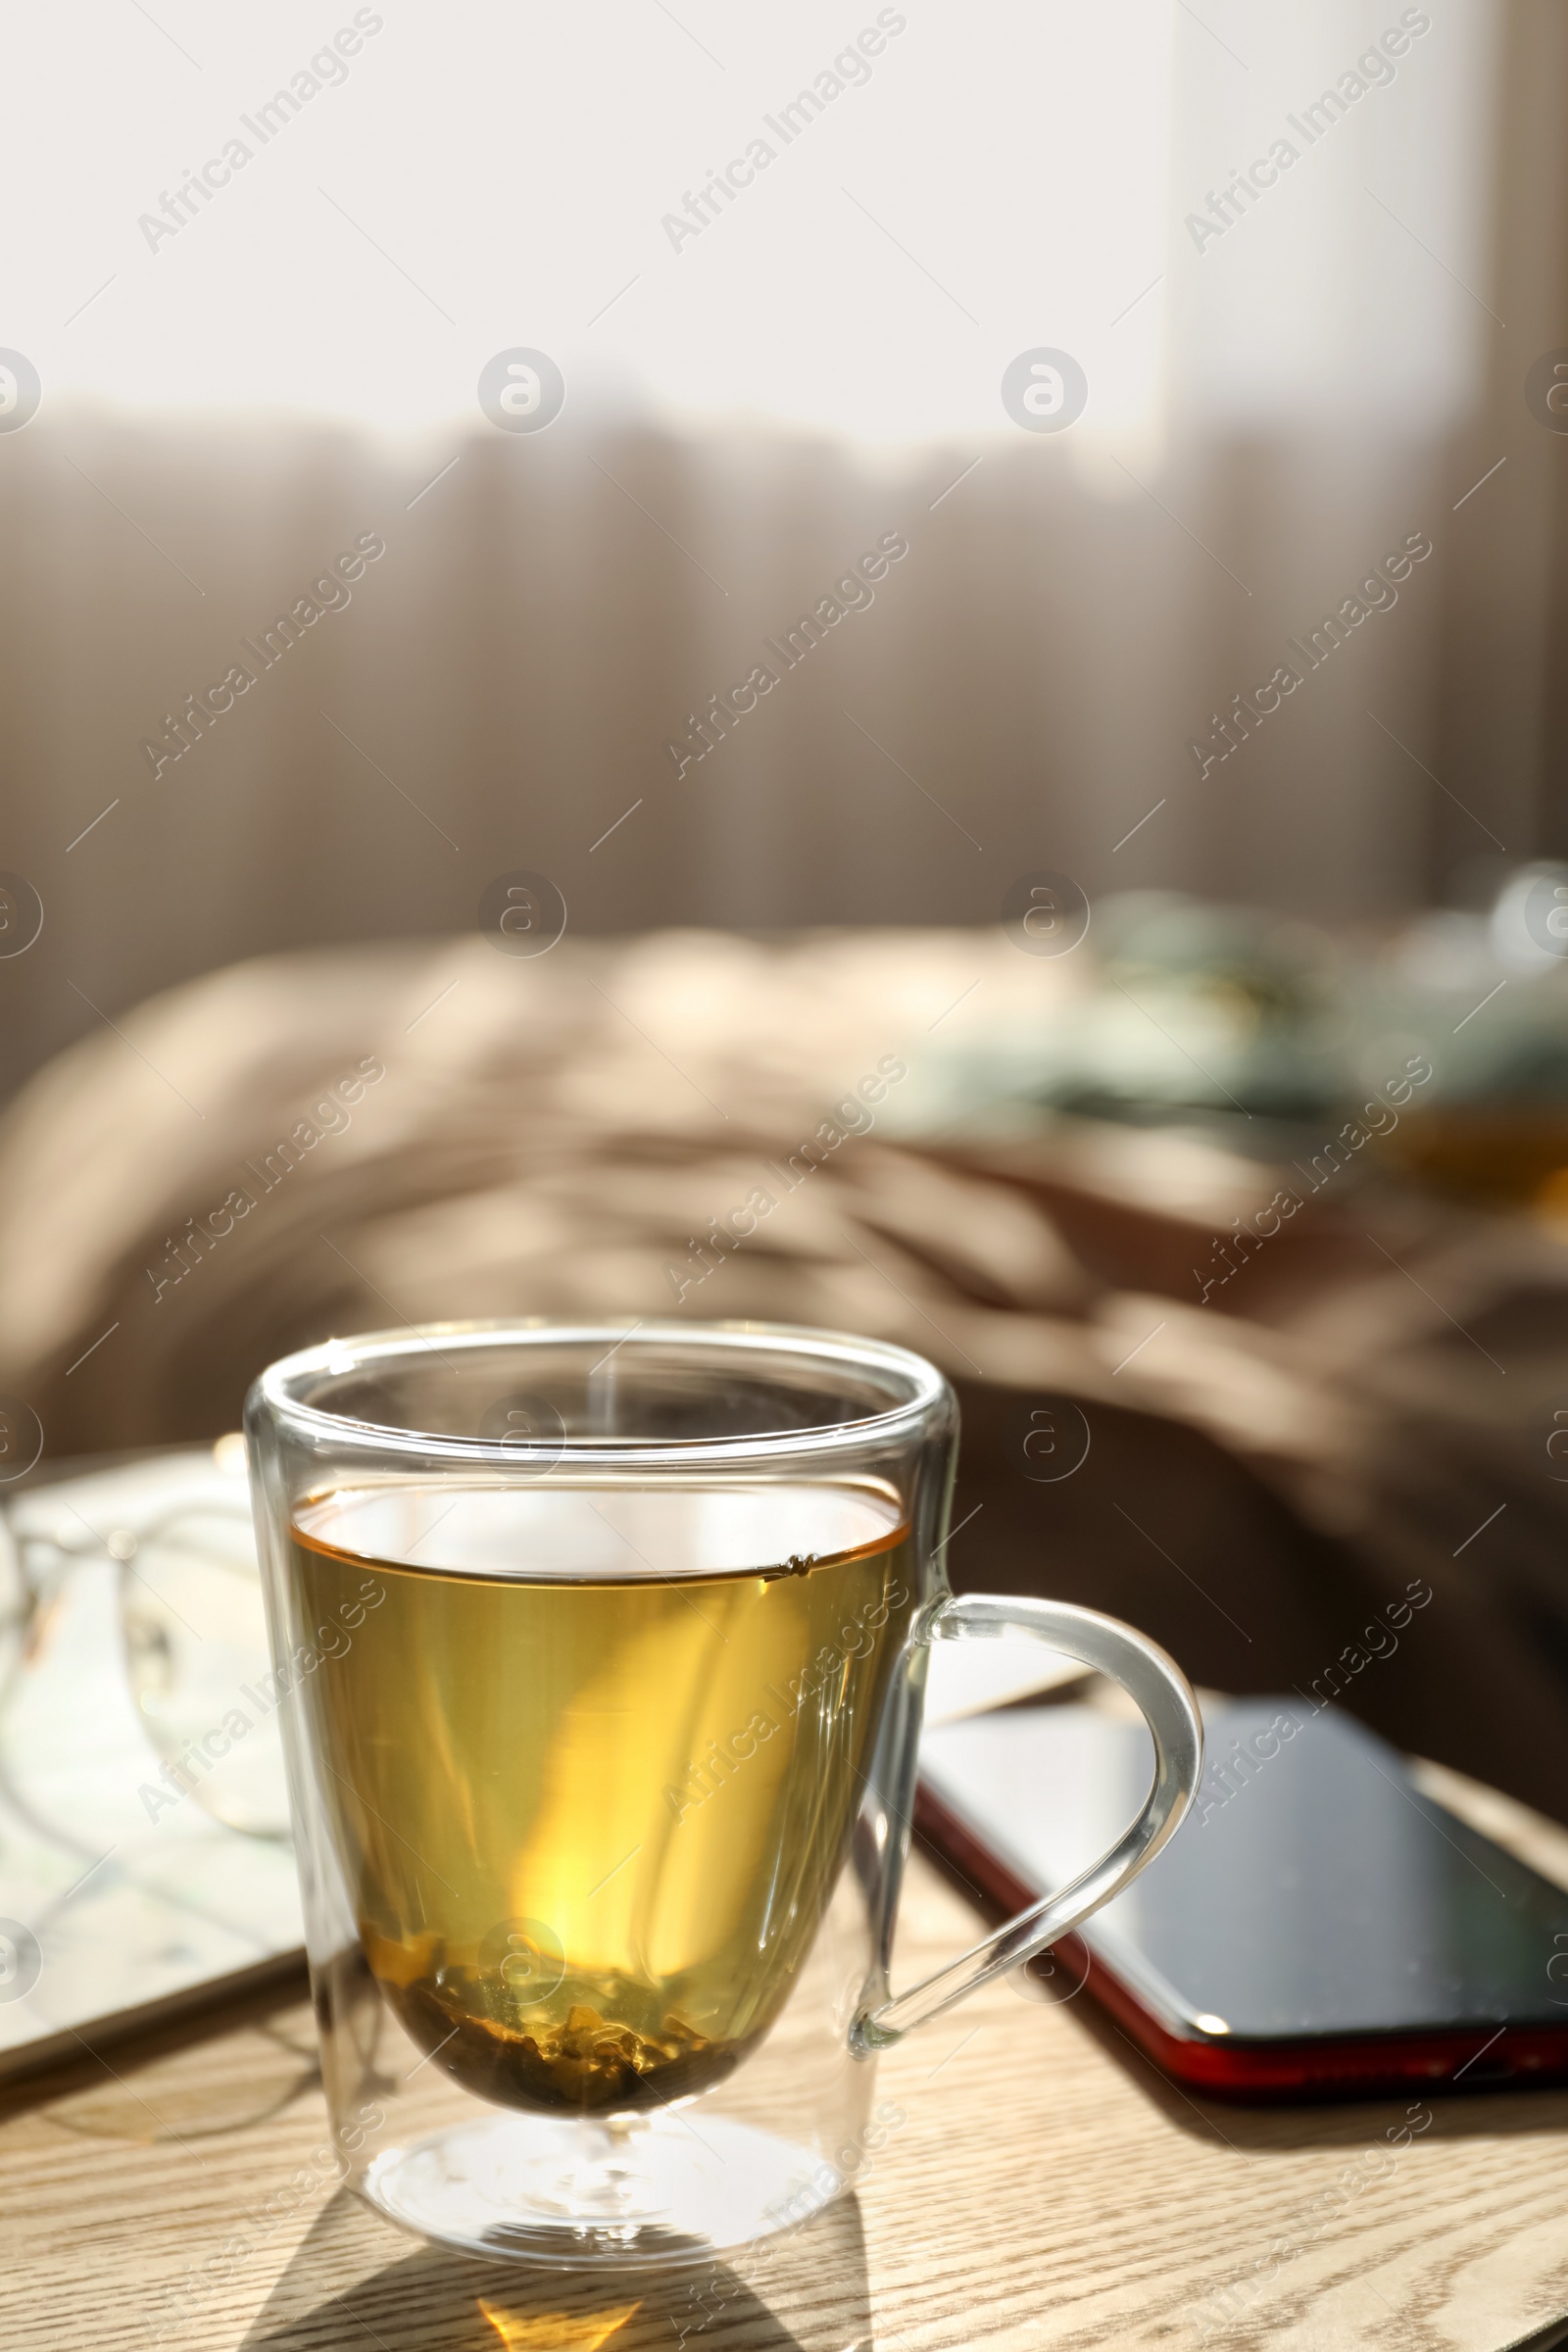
[{"x": 805, "y": 2290}]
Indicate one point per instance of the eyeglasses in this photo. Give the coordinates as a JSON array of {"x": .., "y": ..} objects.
[{"x": 191, "y": 1620}]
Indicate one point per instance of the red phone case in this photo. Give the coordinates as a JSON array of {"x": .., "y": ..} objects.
[{"x": 1329, "y": 2066}]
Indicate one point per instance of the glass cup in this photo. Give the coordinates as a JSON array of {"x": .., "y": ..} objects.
[{"x": 603, "y": 1652}]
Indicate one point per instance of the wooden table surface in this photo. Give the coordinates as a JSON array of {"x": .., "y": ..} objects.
[{"x": 1047, "y": 2188}]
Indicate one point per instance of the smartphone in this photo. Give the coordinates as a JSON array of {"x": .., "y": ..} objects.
[{"x": 1317, "y": 1928}]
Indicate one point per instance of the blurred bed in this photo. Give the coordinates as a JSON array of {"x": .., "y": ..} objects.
[{"x": 1253, "y": 1464}]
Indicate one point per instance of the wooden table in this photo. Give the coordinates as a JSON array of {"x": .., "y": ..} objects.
[{"x": 1047, "y": 2188}]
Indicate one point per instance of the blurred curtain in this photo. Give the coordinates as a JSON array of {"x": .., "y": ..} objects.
[
  {"x": 1500, "y": 711},
  {"x": 1023, "y": 692}
]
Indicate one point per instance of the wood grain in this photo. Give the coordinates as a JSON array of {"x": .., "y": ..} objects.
[{"x": 1047, "y": 2189}]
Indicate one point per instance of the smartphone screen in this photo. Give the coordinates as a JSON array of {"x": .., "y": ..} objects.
[{"x": 1313, "y": 1894}]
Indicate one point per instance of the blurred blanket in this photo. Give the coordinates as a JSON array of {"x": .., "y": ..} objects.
[{"x": 1250, "y": 1433}]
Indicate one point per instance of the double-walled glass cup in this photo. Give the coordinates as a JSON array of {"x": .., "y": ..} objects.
[{"x": 604, "y": 1651}]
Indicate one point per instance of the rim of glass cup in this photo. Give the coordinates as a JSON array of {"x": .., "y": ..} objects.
[{"x": 927, "y": 1387}]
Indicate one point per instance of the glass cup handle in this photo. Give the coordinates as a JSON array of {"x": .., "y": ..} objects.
[{"x": 1157, "y": 1687}]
